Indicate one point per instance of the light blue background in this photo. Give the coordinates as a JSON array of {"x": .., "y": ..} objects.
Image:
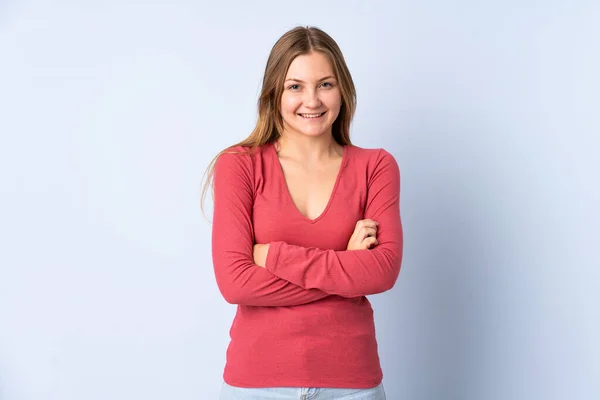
[{"x": 111, "y": 110}]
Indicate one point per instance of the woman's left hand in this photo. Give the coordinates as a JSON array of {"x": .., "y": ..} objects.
[{"x": 260, "y": 254}]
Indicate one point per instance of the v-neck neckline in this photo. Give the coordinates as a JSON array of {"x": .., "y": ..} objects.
[{"x": 289, "y": 195}]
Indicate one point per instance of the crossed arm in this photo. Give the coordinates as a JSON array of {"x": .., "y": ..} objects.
[{"x": 295, "y": 275}]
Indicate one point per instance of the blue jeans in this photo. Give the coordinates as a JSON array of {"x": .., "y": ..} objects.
[{"x": 288, "y": 393}]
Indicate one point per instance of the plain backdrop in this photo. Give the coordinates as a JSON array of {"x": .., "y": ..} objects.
[{"x": 111, "y": 110}]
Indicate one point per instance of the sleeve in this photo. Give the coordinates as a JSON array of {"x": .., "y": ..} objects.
[
  {"x": 356, "y": 272},
  {"x": 240, "y": 281}
]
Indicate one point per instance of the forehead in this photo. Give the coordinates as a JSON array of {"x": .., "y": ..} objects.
[{"x": 314, "y": 65}]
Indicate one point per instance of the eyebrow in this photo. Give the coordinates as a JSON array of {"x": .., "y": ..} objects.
[{"x": 298, "y": 80}]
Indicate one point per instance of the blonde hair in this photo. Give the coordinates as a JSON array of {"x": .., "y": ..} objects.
[{"x": 295, "y": 42}]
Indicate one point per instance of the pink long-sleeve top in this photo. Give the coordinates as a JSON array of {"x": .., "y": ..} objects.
[{"x": 304, "y": 320}]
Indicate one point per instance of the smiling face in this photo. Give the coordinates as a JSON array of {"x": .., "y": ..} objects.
[{"x": 311, "y": 99}]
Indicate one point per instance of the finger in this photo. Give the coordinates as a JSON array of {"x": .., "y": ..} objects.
[
  {"x": 370, "y": 242},
  {"x": 368, "y": 223},
  {"x": 367, "y": 232}
]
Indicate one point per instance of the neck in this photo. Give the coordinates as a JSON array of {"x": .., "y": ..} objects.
[{"x": 308, "y": 150}]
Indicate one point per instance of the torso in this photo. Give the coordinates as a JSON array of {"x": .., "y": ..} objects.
[{"x": 337, "y": 334}]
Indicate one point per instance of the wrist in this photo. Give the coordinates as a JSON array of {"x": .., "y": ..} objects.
[
  {"x": 265, "y": 254},
  {"x": 260, "y": 254}
]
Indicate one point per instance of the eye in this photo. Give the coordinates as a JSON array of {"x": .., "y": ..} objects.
[
  {"x": 327, "y": 84},
  {"x": 294, "y": 87}
]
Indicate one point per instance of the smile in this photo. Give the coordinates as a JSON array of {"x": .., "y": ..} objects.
[{"x": 309, "y": 116}]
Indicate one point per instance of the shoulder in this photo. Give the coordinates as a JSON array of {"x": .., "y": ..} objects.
[
  {"x": 379, "y": 167},
  {"x": 240, "y": 156},
  {"x": 239, "y": 163},
  {"x": 372, "y": 159}
]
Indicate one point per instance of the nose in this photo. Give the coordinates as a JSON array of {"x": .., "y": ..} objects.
[{"x": 311, "y": 99}]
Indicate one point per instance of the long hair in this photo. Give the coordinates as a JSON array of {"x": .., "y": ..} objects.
[{"x": 269, "y": 126}]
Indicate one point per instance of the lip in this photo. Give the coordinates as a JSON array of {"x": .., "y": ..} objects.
[{"x": 315, "y": 118}]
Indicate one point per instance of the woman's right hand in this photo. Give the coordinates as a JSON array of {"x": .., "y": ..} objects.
[{"x": 364, "y": 236}]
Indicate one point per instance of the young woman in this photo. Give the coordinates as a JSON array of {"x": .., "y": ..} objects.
[{"x": 305, "y": 226}]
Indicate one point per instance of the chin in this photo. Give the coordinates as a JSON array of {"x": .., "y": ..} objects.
[{"x": 314, "y": 133}]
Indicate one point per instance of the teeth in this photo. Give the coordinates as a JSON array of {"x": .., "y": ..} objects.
[{"x": 311, "y": 115}]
